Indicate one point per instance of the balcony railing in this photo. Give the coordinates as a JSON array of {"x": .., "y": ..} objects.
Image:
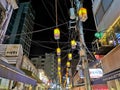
[{"x": 106, "y": 44}]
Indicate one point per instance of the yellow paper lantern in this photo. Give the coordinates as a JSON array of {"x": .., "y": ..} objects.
[
  {"x": 59, "y": 60},
  {"x": 73, "y": 44},
  {"x": 70, "y": 56},
  {"x": 59, "y": 73},
  {"x": 82, "y": 14},
  {"x": 59, "y": 68},
  {"x": 67, "y": 69},
  {"x": 58, "y": 51},
  {"x": 56, "y": 33},
  {"x": 68, "y": 64}
]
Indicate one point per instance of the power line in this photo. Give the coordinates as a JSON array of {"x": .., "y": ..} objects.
[
  {"x": 47, "y": 10},
  {"x": 61, "y": 11},
  {"x": 41, "y": 30}
]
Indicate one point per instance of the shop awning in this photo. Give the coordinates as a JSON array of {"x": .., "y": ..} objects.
[
  {"x": 98, "y": 81},
  {"x": 112, "y": 75},
  {"x": 30, "y": 74},
  {"x": 9, "y": 72}
]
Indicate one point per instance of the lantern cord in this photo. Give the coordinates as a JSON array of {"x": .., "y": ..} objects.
[
  {"x": 71, "y": 3},
  {"x": 56, "y": 12},
  {"x": 58, "y": 43},
  {"x": 56, "y": 19}
]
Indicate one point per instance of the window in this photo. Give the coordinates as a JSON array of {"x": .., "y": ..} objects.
[
  {"x": 99, "y": 14},
  {"x": 106, "y": 4},
  {"x": 42, "y": 61}
]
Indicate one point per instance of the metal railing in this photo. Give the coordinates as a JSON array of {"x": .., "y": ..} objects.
[{"x": 111, "y": 40}]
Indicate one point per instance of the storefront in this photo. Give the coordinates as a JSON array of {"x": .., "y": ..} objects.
[
  {"x": 100, "y": 87},
  {"x": 78, "y": 88},
  {"x": 111, "y": 67},
  {"x": 113, "y": 80},
  {"x": 11, "y": 73}
]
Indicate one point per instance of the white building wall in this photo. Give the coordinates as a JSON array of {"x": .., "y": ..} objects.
[
  {"x": 8, "y": 6},
  {"x": 6, "y": 52},
  {"x": 110, "y": 16},
  {"x": 95, "y": 5}
]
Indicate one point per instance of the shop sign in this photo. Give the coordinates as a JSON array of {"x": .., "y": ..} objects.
[
  {"x": 99, "y": 87},
  {"x": 12, "y": 50},
  {"x": 96, "y": 73},
  {"x": 112, "y": 75}
]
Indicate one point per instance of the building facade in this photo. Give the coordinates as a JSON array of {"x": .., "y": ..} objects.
[
  {"x": 107, "y": 19},
  {"x": 6, "y": 9},
  {"x": 21, "y": 26},
  {"x": 12, "y": 65},
  {"x": 48, "y": 63}
]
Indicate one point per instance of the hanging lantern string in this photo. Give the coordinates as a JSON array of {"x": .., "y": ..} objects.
[
  {"x": 56, "y": 19},
  {"x": 71, "y": 3},
  {"x": 58, "y": 43}
]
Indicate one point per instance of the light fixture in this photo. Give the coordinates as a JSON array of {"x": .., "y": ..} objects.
[
  {"x": 82, "y": 12},
  {"x": 72, "y": 13},
  {"x": 111, "y": 42},
  {"x": 58, "y": 51},
  {"x": 59, "y": 73},
  {"x": 73, "y": 44},
  {"x": 70, "y": 56},
  {"x": 99, "y": 35},
  {"x": 68, "y": 64},
  {"x": 56, "y": 33},
  {"x": 59, "y": 68},
  {"x": 59, "y": 60}
]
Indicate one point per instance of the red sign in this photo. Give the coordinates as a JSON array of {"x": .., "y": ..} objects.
[
  {"x": 98, "y": 57},
  {"x": 100, "y": 87}
]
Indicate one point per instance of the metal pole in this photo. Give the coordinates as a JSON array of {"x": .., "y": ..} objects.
[
  {"x": 84, "y": 58},
  {"x": 83, "y": 47}
]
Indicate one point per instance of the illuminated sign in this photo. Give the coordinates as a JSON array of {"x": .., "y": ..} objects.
[
  {"x": 96, "y": 73},
  {"x": 100, "y": 87}
]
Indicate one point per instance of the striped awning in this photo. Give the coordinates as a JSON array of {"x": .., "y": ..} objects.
[{"x": 9, "y": 72}]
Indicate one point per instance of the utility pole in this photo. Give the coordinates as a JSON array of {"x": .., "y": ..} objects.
[{"x": 82, "y": 53}]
